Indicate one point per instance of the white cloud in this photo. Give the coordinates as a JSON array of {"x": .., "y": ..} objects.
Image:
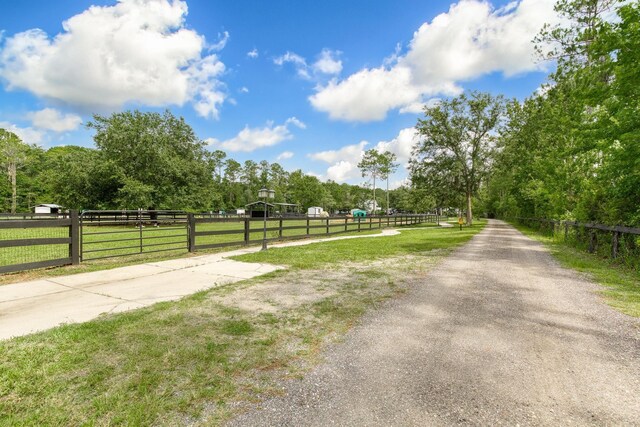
[
  {"x": 368, "y": 94},
  {"x": 284, "y": 155},
  {"x": 222, "y": 42},
  {"x": 135, "y": 51},
  {"x": 418, "y": 107},
  {"x": 327, "y": 63},
  {"x": 52, "y": 119},
  {"x": 317, "y": 175},
  {"x": 343, "y": 171},
  {"x": 399, "y": 183},
  {"x": 344, "y": 161},
  {"x": 401, "y": 145},
  {"x": 298, "y": 61},
  {"x": 470, "y": 40},
  {"x": 27, "y": 135},
  {"x": 296, "y": 122},
  {"x": 351, "y": 153},
  {"x": 244, "y": 89},
  {"x": 474, "y": 39},
  {"x": 251, "y": 139},
  {"x": 253, "y": 53}
]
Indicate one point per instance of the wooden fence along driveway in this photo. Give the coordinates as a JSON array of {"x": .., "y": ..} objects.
[
  {"x": 52, "y": 241},
  {"x": 32, "y": 241},
  {"x": 612, "y": 241}
]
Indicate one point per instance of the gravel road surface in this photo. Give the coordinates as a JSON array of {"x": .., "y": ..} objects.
[{"x": 497, "y": 334}]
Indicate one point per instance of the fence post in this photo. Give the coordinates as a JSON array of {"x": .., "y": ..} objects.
[
  {"x": 359, "y": 221},
  {"x": 593, "y": 242},
  {"x": 247, "y": 228},
  {"x": 74, "y": 235},
  {"x": 191, "y": 232},
  {"x": 614, "y": 244},
  {"x": 346, "y": 224},
  {"x": 370, "y": 223},
  {"x": 280, "y": 229},
  {"x": 307, "y": 226}
]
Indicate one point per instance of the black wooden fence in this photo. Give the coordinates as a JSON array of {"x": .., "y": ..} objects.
[
  {"x": 41, "y": 240},
  {"x": 109, "y": 234},
  {"x": 208, "y": 233},
  {"x": 612, "y": 241}
]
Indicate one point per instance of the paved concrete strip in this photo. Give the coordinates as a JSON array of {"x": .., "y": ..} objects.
[
  {"x": 42, "y": 304},
  {"x": 497, "y": 334}
]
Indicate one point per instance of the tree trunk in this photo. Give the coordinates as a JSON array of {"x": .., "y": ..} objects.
[
  {"x": 469, "y": 212},
  {"x": 373, "y": 209},
  {"x": 387, "y": 195},
  {"x": 14, "y": 191}
]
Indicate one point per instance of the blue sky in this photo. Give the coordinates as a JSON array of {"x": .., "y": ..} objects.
[{"x": 306, "y": 83}]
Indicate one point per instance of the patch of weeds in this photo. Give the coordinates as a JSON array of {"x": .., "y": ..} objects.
[
  {"x": 269, "y": 318},
  {"x": 371, "y": 274},
  {"x": 236, "y": 327}
]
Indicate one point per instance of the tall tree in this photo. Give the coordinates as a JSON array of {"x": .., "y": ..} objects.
[
  {"x": 232, "y": 173},
  {"x": 370, "y": 165},
  {"x": 12, "y": 154},
  {"x": 157, "y": 158},
  {"x": 457, "y": 142},
  {"x": 217, "y": 158},
  {"x": 388, "y": 166}
]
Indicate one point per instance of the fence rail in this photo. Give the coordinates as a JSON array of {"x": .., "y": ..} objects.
[
  {"x": 47, "y": 240},
  {"x": 619, "y": 241},
  {"x": 110, "y": 234}
]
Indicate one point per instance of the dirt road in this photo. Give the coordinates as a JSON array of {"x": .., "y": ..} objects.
[{"x": 498, "y": 334}]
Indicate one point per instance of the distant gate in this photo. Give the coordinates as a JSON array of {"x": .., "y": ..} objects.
[{"x": 108, "y": 234}]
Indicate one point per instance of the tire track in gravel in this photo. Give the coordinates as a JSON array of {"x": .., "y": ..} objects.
[{"x": 497, "y": 334}]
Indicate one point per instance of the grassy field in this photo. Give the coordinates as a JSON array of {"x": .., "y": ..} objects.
[
  {"x": 199, "y": 360},
  {"x": 622, "y": 282},
  {"x": 127, "y": 245},
  {"x": 316, "y": 256}
]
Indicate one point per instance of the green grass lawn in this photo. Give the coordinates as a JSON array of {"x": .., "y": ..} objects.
[
  {"x": 199, "y": 358},
  {"x": 622, "y": 284},
  {"x": 364, "y": 249}
]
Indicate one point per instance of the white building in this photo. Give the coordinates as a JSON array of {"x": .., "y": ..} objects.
[
  {"x": 314, "y": 211},
  {"x": 371, "y": 206},
  {"x": 48, "y": 208}
]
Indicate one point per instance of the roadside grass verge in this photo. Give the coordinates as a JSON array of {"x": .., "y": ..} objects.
[
  {"x": 356, "y": 250},
  {"x": 206, "y": 357},
  {"x": 622, "y": 284}
]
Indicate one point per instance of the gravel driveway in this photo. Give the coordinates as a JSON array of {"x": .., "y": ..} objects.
[{"x": 498, "y": 334}]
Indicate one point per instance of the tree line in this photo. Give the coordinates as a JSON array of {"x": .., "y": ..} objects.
[
  {"x": 569, "y": 151},
  {"x": 152, "y": 160}
]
